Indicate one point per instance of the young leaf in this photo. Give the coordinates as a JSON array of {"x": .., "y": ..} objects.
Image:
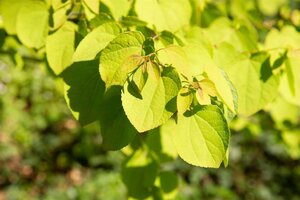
[
  {"x": 202, "y": 97},
  {"x": 184, "y": 100},
  {"x": 208, "y": 87},
  {"x": 115, "y": 55},
  {"x": 157, "y": 104},
  {"x": 96, "y": 41},
  {"x": 131, "y": 63},
  {"x": 201, "y": 136},
  {"x": 60, "y": 47},
  {"x": 153, "y": 70}
]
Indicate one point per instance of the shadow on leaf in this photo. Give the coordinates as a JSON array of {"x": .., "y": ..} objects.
[{"x": 85, "y": 90}]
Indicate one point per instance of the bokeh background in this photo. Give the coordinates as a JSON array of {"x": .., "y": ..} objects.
[{"x": 46, "y": 154}]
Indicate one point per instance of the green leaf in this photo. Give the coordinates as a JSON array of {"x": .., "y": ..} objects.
[
  {"x": 290, "y": 81},
  {"x": 252, "y": 77},
  {"x": 153, "y": 69},
  {"x": 177, "y": 58},
  {"x": 115, "y": 55},
  {"x": 88, "y": 12},
  {"x": 9, "y": 10},
  {"x": 202, "y": 98},
  {"x": 132, "y": 21},
  {"x": 158, "y": 101},
  {"x": 96, "y": 41},
  {"x": 84, "y": 90},
  {"x": 280, "y": 60},
  {"x": 164, "y": 14},
  {"x": 196, "y": 36},
  {"x": 59, "y": 13},
  {"x": 168, "y": 183},
  {"x": 226, "y": 159},
  {"x": 118, "y": 8},
  {"x": 32, "y": 23},
  {"x": 288, "y": 37},
  {"x": 169, "y": 38},
  {"x": 134, "y": 90},
  {"x": 100, "y": 19},
  {"x": 224, "y": 87},
  {"x": 60, "y": 47},
  {"x": 208, "y": 87},
  {"x": 139, "y": 173},
  {"x": 292, "y": 140},
  {"x": 201, "y": 137},
  {"x": 198, "y": 56},
  {"x": 223, "y": 30},
  {"x": 282, "y": 111},
  {"x": 159, "y": 141},
  {"x": 184, "y": 100},
  {"x": 116, "y": 130},
  {"x": 148, "y": 46},
  {"x": 290, "y": 76},
  {"x": 93, "y": 5},
  {"x": 270, "y": 7}
]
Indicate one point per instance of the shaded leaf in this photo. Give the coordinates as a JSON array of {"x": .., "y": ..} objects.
[{"x": 84, "y": 90}]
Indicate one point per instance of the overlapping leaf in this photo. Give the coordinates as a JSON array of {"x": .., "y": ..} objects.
[
  {"x": 156, "y": 104},
  {"x": 9, "y": 10},
  {"x": 252, "y": 77},
  {"x": 287, "y": 40},
  {"x": 60, "y": 47},
  {"x": 84, "y": 90},
  {"x": 95, "y": 41},
  {"x": 115, "y": 56},
  {"x": 201, "y": 137},
  {"x": 118, "y": 8},
  {"x": 32, "y": 23},
  {"x": 177, "y": 58},
  {"x": 164, "y": 14},
  {"x": 116, "y": 130}
]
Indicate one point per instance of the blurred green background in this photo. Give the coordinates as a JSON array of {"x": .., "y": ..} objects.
[{"x": 46, "y": 154}]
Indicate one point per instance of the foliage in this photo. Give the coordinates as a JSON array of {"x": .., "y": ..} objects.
[{"x": 162, "y": 78}]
